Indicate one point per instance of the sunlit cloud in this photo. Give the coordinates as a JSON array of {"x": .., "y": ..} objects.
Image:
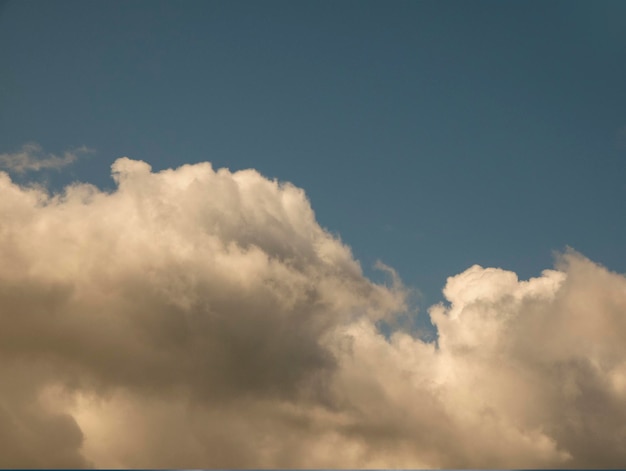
[{"x": 202, "y": 318}]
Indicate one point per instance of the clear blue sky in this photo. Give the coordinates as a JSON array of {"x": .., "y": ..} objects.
[{"x": 429, "y": 135}]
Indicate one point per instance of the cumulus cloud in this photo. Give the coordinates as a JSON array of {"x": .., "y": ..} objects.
[
  {"x": 32, "y": 158},
  {"x": 195, "y": 318}
]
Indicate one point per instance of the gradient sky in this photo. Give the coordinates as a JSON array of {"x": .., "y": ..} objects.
[
  {"x": 429, "y": 135},
  {"x": 198, "y": 318}
]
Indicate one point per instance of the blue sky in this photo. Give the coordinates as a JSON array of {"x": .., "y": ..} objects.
[
  {"x": 429, "y": 135},
  {"x": 203, "y": 319}
]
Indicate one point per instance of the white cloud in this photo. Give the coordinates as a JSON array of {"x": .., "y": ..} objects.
[
  {"x": 32, "y": 158},
  {"x": 196, "y": 318}
]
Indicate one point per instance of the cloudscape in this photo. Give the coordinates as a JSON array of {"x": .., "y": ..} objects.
[
  {"x": 364, "y": 234},
  {"x": 196, "y": 317}
]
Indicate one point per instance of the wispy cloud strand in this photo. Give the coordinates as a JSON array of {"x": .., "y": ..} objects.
[{"x": 32, "y": 158}]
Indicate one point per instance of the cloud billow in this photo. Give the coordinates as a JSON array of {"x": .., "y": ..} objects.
[{"x": 202, "y": 318}]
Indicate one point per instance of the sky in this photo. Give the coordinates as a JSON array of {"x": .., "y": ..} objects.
[{"x": 390, "y": 228}]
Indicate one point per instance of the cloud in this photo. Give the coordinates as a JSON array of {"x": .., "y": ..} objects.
[
  {"x": 32, "y": 158},
  {"x": 196, "y": 318}
]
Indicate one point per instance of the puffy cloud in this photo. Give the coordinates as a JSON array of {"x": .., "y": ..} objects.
[
  {"x": 32, "y": 158},
  {"x": 200, "y": 318},
  {"x": 201, "y": 287}
]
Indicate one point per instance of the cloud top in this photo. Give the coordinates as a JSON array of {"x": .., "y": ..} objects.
[{"x": 201, "y": 318}]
